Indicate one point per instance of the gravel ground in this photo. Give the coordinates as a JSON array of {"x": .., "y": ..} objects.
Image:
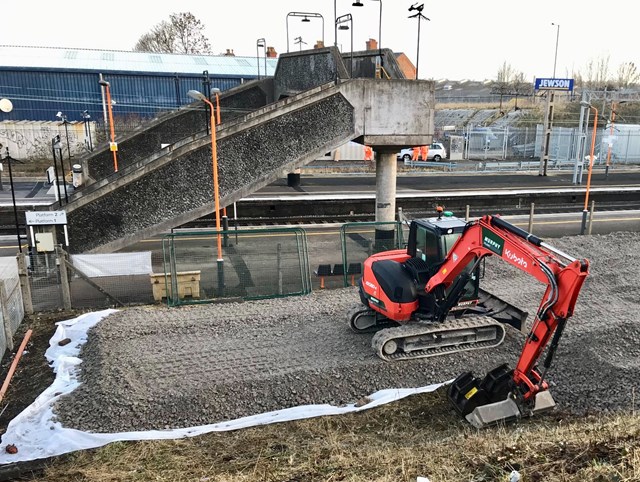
[{"x": 156, "y": 368}]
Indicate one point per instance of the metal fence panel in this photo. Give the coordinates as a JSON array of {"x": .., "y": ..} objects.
[
  {"x": 256, "y": 263},
  {"x": 359, "y": 241},
  {"x": 44, "y": 278}
]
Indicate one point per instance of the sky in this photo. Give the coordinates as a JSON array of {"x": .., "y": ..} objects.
[{"x": 464, "y": 39}]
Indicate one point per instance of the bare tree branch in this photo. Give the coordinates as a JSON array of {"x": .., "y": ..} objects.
[{"x": 182, "y": 34}]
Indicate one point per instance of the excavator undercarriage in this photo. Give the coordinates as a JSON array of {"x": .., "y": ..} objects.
[{"x": 472, "y": 327}]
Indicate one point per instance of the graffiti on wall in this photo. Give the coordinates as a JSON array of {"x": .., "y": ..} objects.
[{"x": 31, "y": 140}]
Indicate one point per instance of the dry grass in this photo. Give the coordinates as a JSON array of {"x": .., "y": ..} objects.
[{"x": 420, "y": 435}]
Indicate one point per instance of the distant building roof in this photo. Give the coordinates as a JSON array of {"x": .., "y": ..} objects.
[{"x": 22, "y": 57}]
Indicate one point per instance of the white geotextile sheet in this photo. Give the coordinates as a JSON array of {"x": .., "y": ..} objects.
[
  {"x": 113, "y": 264},
  {"x": 36, "y": 435}
]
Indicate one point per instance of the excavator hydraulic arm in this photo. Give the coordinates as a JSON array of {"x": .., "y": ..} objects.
[{"x": 504, "y": 393}]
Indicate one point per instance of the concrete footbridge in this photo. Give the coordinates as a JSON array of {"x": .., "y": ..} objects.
[{"x": 269, "y": 128}]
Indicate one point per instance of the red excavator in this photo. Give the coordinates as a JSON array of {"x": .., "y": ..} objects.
[{"x": 429, "y": 294}]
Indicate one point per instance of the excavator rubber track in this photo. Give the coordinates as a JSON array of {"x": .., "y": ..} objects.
[{"x": 422, "y": 340}]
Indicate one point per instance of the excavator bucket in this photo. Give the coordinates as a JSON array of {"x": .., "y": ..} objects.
[
  {"x": 490, "y": 400},
  {"x": 507, "y": 410}
]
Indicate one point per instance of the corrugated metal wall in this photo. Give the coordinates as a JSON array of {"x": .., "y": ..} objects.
[{"x": 39, "y": 95}]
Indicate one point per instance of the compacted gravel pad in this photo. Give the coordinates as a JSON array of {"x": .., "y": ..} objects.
[{"x": 157, "y": 368}]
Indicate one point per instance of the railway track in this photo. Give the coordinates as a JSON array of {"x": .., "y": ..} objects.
[
  {"x": 209, "y": 220},
  {"x": 8, "y": 227}
]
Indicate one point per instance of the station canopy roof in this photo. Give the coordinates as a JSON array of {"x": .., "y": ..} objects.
[{"x": 21, "y": 57}]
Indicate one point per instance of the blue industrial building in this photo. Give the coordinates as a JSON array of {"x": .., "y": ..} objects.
[{"x": 41, "y": 81}]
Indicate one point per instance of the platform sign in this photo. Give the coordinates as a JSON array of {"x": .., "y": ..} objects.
[
  {"x": 554, "y": 84},
  {"x": 45, "y": 218}
]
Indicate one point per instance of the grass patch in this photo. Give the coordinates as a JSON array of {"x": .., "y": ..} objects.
[{"x": 420, "y": 435}]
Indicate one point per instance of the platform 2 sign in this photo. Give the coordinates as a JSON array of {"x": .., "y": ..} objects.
[
  {"x": 554, "y": 84},
  {"x": 46, "y": 218}
]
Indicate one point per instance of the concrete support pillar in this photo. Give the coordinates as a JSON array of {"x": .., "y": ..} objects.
[{"x": 386, "y": 170}]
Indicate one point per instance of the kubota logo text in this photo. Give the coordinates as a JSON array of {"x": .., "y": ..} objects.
[{"x": 515, "y": 259}]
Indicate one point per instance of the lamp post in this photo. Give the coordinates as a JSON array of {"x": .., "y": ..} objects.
[
  {"x": 419, "y": 16},
  {"x": 65, "y": 122},
  {"x": 113, "y": 145},
  {"x": 335, "y": 24},
  {"x": 358, "y": 3},
  {"x": 342, "y": 20},
  {"x": 306, "y": 16},
  {"x": 8, "y": 158},
  {"x": 555, "y": 59},
  {"x": 57, "y": 146},
  {"x": 591, "y": 156},
  {"x": 194, "y": 94},
  {"x": 261, "y": 42},
  {"x": 87, "y": 130}
]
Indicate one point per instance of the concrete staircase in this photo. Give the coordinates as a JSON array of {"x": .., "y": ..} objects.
[{"x": 158, "y": 189}]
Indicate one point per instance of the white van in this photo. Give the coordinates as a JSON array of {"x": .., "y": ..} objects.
[{"x": 436, "y": 153}]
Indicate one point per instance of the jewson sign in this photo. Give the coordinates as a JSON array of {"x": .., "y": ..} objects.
[{"x": 554, "y": 84}]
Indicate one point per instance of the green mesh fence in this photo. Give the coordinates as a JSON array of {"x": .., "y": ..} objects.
[
  {"x": 256, "y": 263},
  {"x": 361, "y": 240}
]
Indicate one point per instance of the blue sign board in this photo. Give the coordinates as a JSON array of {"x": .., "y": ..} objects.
[{"x": 554, "y": 84}]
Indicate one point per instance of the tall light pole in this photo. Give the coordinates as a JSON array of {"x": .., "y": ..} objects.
[
  {"x": 341, "y": 20},
  {"x": 591, "y": 157},
  {"x": 113, "y": 145},
  {"x": 419, "y": 16},
  {"x": 8, "y": 158},
  {"x": 65, "y": 122},
  {"x": 261, "y": 42},
  {"x": 87, "y": 130},
  {"x": 306, "y": 16},
  {"x": 335, "y": 24},
  {"x": 194, "y": 94},
  {"x": 358, "y": 3},
  {"x": 56, "y": 145},
  {"x": 555, "y": 58}
]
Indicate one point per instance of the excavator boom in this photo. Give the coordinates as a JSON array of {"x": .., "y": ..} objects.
[{"x": 484, "y": 401}]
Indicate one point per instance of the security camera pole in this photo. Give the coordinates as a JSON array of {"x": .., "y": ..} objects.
[
  {"x": 65, "y": 122},
  {"x": 87, "y": 129}
]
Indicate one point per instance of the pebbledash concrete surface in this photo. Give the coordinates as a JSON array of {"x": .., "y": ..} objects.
[
  {"x": 156, "y": 368},
  {"x": 311, "y": 106}
]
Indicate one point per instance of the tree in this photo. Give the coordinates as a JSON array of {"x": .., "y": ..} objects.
[
  {"x": 509, "y": 82},
  {"x": 182, "y": 34},
  {"x": 628, "y": 75}
]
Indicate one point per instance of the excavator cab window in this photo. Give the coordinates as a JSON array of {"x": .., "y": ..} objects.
[{"x": 427, "y": 247}]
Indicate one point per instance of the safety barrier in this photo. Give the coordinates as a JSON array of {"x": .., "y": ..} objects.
[
  {"x": 253, "y": 264},
  {"x": 361, "y": 240}
]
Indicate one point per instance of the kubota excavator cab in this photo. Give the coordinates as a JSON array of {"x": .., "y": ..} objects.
[{"x": 429, "y": 243}]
